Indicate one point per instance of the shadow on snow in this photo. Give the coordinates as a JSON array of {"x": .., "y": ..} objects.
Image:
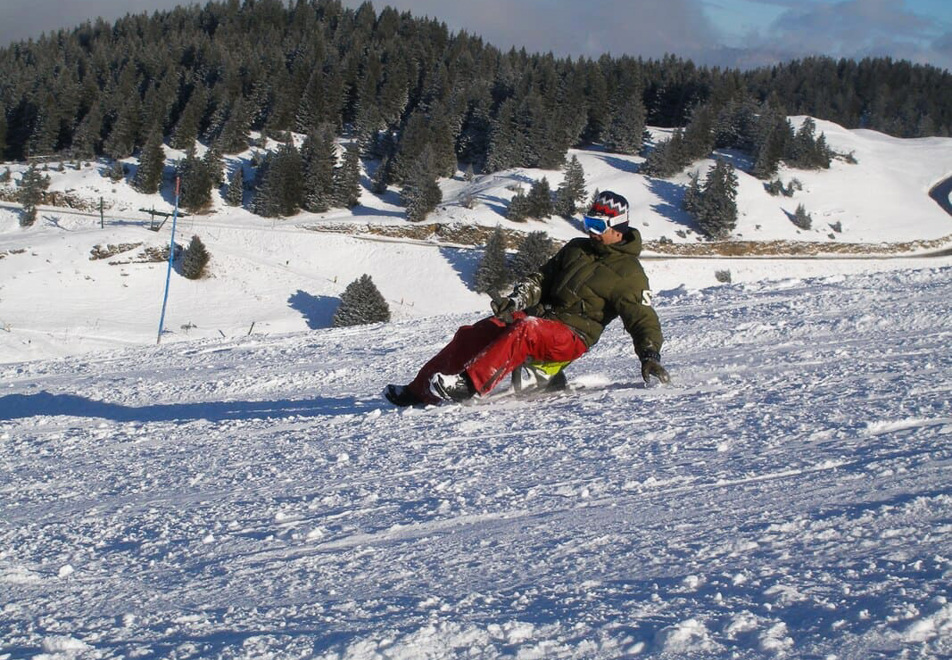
[
  {"x": 18, "y": 406},
  {"x": 318, "y": 311}
]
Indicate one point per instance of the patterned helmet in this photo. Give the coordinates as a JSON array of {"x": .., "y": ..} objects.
[{"x": 613, "y": 207}]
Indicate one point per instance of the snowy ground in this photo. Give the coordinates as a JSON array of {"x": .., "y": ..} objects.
[
  {"x": 790, "y": 495},
  {"x": 242, "y": 490}
]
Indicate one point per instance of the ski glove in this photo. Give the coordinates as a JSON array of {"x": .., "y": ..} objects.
[
  {"x": 651, "y": 366},
  {"x": 503, "y": 309}
]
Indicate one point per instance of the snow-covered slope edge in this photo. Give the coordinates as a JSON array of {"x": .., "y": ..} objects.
[{"x": 789, "y": 496}]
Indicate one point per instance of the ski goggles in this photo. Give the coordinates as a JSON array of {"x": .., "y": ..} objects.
[{"x": 595, "y": 225}]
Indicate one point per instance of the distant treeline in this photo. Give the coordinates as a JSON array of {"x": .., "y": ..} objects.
[{"x": 400, "y": 86}]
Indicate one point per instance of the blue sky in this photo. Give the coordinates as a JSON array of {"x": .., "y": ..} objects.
[{"x": 722, "y": 32}]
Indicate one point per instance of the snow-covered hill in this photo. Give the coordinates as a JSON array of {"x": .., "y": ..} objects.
[
  {"x": 242, "y": 491},
  {"x": 789, "y": 495},
  {"x": 278, "y": 276}
]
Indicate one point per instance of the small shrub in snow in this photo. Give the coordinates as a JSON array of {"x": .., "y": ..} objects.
[
  {"x": 801, "y": 218},
  {"x": 360, "y": 304},
  {"x": 195, "y": 260}
]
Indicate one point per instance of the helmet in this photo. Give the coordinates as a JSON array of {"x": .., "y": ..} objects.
[{"x": 612, "y": 208}]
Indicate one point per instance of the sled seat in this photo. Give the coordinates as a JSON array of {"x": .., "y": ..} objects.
[{"x": 538, "y": 376}]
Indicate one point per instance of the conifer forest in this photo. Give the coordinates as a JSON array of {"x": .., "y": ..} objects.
[{"x": 409, "y": 95}]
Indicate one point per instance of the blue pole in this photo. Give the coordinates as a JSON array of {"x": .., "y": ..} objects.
[{"x": 168, "y": 273}]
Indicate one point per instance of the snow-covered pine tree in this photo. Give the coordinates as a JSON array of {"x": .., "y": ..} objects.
[
  {"x": 347, "y": 179},
  {"x": 186, "y": 129},
  {"x": 195, "y": 259},
  {"x": 196, "y": 183},
  {"x": 282, "y": 188},
  {"x": 421, "y": 193},
  {"x": 492, "y": 273},
  {"x": 148, "y": 176},
  {"x": 86, "y": 140},
  {"x": 319, "y": 154},
  {"x": 235, "y": 194},
  {"x": 233, "y": 137},
  {"x": 627, "y": 126},
  {"x": 381, "y": 176},
  {"x": 361, "y": 303}
]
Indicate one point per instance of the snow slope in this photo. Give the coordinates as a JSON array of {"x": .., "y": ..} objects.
[
  {"x": 271, "y": 276},
  {"x": 788, "y": 496},
  {"x": 242, "y": 491}
]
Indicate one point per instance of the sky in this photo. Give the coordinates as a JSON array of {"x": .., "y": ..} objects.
[{"x": 741, "y": 33}]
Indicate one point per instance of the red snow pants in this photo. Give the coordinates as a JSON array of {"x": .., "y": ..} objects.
[{"x": 489, "y": 350}]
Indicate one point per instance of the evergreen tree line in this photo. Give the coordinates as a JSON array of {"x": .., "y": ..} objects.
[
  {"x": 400, "y": 86},
  {"x": 764, "y": 132}
]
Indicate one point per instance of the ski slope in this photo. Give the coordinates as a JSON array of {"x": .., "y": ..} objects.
[{"x": 788, "y": 496}]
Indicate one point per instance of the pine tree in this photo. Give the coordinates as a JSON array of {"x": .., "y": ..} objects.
[
  {"x": 773, "y": 134},
  {"x": 505, "y": 139},
  {"x": 626, "y": 130},
  {"x": 42, "y": 141},
  {"x": 571, "y": 191},
  {"x": 801, "y": 218},
  {"x": 195, "y": 259},
  {"x": 148, "y": 176},
  {"x": 536, "y": 249},
  {"x": 492, "y": 273},
  {"x": 235, "y": 194},
  {"x": 186, "y": 129},
  {"x": 32, "y": 186},
  {"x": 125, "y": 131},
  {"x": 421, "y": 193},
  {"x": 691, "y": 202},
  {"x": 3, "y": 132},
  {"x": 717, "y": 212},
  {"x": 667, "y": 158},
  {"x": 319, "y": 156},
  {"x": 361, "y": 303},
  {"x": 234, "y": 133},
  {"x": 87, "y": 140},
  {"x": 282, "y": 187},
  {"x": 195, "y": 194},
  {"x": 540, "y": 199},
  {"x": 519, "y": 208},
  {"x": 347, "y": 179},
  {"x": 381, "y": 177},
  {"x": 214, "y": 166},
  {"x": 699, "y": 135}
]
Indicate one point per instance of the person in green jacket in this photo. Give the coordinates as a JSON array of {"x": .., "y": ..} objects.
[{"x": 554, "y": 316}]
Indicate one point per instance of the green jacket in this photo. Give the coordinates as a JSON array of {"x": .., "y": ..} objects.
[{"x": 586, "y": 285}]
